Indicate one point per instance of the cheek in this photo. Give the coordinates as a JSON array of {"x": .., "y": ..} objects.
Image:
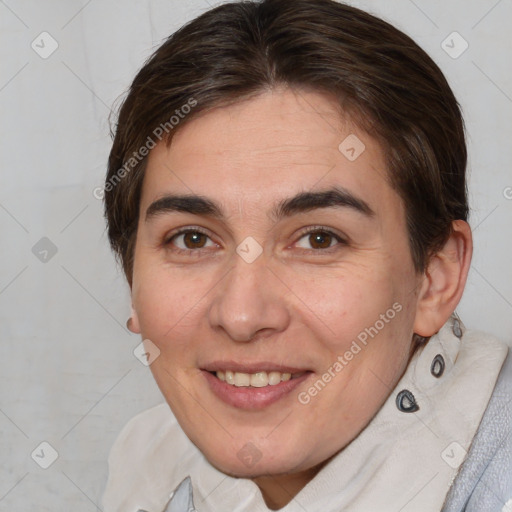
[
  {"x": 163, "y": 301},
  {"x": 338, "y": 305}
]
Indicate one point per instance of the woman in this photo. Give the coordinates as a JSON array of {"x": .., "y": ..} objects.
[{"x": 286, "y": 193}]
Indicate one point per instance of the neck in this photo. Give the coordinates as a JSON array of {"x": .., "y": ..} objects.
[{"x": 279, "y": 490}]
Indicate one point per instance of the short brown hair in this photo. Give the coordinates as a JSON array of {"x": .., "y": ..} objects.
[{"x": 382, "y": 79}]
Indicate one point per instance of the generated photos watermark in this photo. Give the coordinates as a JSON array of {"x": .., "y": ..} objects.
[
  {"x": 137, "y": 156},
  {"x": 357, "y": 345}
]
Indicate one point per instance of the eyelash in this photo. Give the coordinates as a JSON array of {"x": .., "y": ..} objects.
[{"x": 307, "y": 231}]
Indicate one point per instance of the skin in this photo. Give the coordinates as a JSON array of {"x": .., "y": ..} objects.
[{"x": 299, "y": 303}]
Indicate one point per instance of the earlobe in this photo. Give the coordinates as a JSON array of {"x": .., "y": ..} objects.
[
  {"x": 132, "y": 323},
  {"x": 444, "y": 281}
]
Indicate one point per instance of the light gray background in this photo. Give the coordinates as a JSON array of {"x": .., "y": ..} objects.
[{"x": 67, "y": 372}]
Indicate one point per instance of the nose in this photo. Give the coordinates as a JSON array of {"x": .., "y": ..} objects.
[{"x": 249, "y": 302}]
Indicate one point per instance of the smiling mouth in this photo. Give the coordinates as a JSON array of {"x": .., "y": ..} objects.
[
  {"x": 253, "y": 386},
  {"x": 255, "y": 380}
]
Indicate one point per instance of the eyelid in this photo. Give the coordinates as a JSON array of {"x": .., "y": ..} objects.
[
  {"x": 182, "y": 231},
  {"x": 341, "y": 239},
  {"x": 325, "y": 229},
  {"x": 185, "y": 229}
]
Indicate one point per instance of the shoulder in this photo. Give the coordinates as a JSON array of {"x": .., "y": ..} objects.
[
  {"x": 149, "y": 455},
  {"x": 484, "y": 482},
  {"x": 143, "y": 430}
]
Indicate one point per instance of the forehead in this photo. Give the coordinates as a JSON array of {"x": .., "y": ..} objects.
[{"x": 269, "y": 146}]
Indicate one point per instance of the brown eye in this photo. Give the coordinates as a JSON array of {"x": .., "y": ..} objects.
[
  {"x": 195, "y": 239},
  {"x": 189, "y": 240},
  {"x": 320, "y": 239}
]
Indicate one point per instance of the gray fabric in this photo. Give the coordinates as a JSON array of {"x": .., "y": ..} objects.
[
  {"x": 181, "y": 499},
  {"x": 484, "y": 482}
]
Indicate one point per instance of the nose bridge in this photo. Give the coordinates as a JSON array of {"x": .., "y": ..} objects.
[{"x": 249, "y": 299}]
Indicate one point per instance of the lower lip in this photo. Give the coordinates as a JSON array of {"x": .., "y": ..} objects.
[{"x": 247, "y": 397}]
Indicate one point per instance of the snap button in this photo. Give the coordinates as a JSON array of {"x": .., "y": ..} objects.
[
  {"x": 406, "y": 402},
  {"x": 456, "y": 329},
  {"x": 437, "y": 366}
]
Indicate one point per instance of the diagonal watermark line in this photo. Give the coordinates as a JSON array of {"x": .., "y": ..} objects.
[
  {"x": 74, "y": 16},
  {"x": 416, "y": 494},
  {"x": 84, "y": 493},
  {"x": 93, "y": 298},
  {"x": 14, "y": 14},
  {"x": 280, "y": 423},
  {"x": 486, "y": 14},
  {"x": 376, "y": 169},
  {"x": 316, "y": 111},
  {"x": 217, "y": 3},
  {"x": 17, "y": 483},
  {"x": 74, "y": 218},
  {"x": 492, "y": 81},
  {"x": 198, "y": 403},
  {"x": 492, "y": 286},
  {"x": 14, "y": 423},
  {"x": 94, "y": 94},
  {"x": 321, "y": 178},
  {"x": 214, "y": 489},
  {"x": 14, "y": 76},
  {"x": 13, "y": 218},
  {"x": 162, "y": 162},
  {"x": 301, "y": 300},
  {"x": 291, "y": 496},
  {"x": 424, "y": 13},
  {"x": 13, "y": 279},
  {"x": 104, "y": 395},
  {"x": 488, "y": 215}
]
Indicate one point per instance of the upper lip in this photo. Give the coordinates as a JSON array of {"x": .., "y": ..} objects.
[{"x": 254, "y": 367}]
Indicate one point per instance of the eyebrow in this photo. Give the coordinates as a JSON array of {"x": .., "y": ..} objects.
[{"x": 336, "y": 197}]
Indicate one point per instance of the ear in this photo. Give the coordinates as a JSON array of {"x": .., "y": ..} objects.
[
  {"x": 133, "y": 322},
  {"x": 444, "y": 281}
]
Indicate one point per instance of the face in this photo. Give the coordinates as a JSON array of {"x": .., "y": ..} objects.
[{"x": 289, "y": 256}]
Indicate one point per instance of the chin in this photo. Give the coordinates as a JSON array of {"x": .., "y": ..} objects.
[{"x": 249, "y": 462}]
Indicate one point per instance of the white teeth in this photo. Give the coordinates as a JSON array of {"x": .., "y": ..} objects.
[
  {"x": 242, "y": 379},
  {"x": 259, "y": 380},
  {"x": 256, "y": 380},
  {"x": 274, "y": 378}
]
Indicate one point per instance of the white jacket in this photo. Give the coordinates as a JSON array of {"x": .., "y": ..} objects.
[{"x": 453, "y": 454}]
